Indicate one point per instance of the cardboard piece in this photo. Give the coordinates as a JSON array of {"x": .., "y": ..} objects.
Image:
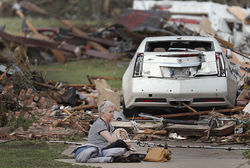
[
  {"x": 238, "y": 12},
  {"x": 105, "y": 93},
  {"x": 206, "y": 27},
  {"x": 247, "y": 108}
]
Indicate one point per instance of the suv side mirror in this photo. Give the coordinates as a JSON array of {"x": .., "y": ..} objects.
[{"x": 228, "y": 53}]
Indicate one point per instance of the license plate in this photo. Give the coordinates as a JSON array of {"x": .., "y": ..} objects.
[
  {"x": 175, "y": 72},
  {"x": 179, "y": 72}
]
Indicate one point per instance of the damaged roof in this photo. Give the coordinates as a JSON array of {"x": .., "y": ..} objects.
[{"x": 140, "y": 19}]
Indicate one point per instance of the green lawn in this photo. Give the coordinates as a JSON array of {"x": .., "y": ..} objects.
[
  {"x": 76, "y": 72},
  {"x": 71, "y": 72},
  {"x": 35, "y": 154},
  {"x": 14, "y": 24}
]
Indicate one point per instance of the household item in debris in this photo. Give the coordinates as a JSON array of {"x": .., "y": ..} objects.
[{"x": 158, "y": 154}]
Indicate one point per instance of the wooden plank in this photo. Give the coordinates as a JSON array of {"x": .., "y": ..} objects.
[
  {"x": 78, "y": 31},
  {"x": 106, "y": 7},
  {"x": 150, "y": 131},
  {"x": 58, "y": 54},
  {"x": 104, "y": 77},
  {"x": 188, "y": 130},
  {"x": 200, "y": 130},
  {"x": 45, "y": 85},
  {"x": 34, "y": 8},
  {"x": 238, "y": 12},
  {"x": 89, "y": 79},
  {"x": 188, "y": 13},
  {"x": 191, "y": 113},
  {"x": 80, "y": 86},
  {"x": 243, "y": 95},
  {"x": 189, "y": 107},
  {"x": 140, "y": 125},
  {"x": 224, "y": 130},
  {"x": 4, "y": 75},
  {"x": 224, "y": 43},
  {"x": 84, "y": 107},
  {"x": 94, "y": 39}
]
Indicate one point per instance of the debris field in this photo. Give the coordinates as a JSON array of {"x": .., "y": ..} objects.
[{"x": 54, "y": 110}]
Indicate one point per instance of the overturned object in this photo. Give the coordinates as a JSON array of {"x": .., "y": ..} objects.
[{"x": 71, "y": 97}]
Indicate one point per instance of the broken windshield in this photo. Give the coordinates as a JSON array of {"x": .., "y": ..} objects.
[{"x": 180, "y": 46}]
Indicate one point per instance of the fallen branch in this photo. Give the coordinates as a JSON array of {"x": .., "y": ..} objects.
[
  {"x": 191, "y": 114},
  {"x": 95, "y": 45},
  {"x": 45, "y": 85},
  {"x": 189, "y": 107}
]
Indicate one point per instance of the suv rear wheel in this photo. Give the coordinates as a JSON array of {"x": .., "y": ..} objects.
[{"x": 128, "y": 112}]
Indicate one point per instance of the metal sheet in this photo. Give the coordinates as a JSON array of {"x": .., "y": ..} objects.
[{"x": 139, "y": 19}]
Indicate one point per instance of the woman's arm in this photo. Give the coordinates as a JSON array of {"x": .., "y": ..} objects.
[{"x": 107, "y": 136}]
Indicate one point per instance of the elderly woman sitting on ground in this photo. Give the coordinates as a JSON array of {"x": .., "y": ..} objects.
[
  {"x": 105, "y": 144},
  {"x": 101, "y": 132}
]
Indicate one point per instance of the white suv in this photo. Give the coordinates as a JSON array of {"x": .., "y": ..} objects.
[{"x": 172, "y": 70}]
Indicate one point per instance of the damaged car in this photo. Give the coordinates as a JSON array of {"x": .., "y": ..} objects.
[{"x": 173, "y": 71}]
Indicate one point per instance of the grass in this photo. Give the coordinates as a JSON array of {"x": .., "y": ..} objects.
[
  {"x": 71, "y": 72},
  {"x": 14, "y": 24},
  {"x": 35, "y": 154},
  {"x": 246, "y": 154},
  {"x": 76, "y": 72}
]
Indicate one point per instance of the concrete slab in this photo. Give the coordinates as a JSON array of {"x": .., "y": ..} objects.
[
  {"x": 175, "y": 163},
  {"x": 182, "y": 157}
]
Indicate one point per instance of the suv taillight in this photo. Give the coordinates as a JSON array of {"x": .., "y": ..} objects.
[
  {"x": 220, "y": 64},
  {"x": 138, "y": 65}
]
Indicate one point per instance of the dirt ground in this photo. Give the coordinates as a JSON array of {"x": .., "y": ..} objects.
[{"x": 182, "y": 157}]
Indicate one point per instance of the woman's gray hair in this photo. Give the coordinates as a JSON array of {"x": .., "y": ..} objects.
[{"x": 102, "y": 108}]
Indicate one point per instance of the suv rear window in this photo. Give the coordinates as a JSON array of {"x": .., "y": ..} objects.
[{"x": 168, "y": 46}]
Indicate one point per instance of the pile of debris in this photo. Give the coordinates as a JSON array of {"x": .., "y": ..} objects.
[
  {"x": 206, "y": 126},
  {"x": 34, "y": 109},
  {"x": 45, "y": 45},
  {"x": 31, "y": 108},
  {"x": 57, "y": 46},
  {"x": 230, "y": 23},
  {"x": 54, "y": 110}
]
